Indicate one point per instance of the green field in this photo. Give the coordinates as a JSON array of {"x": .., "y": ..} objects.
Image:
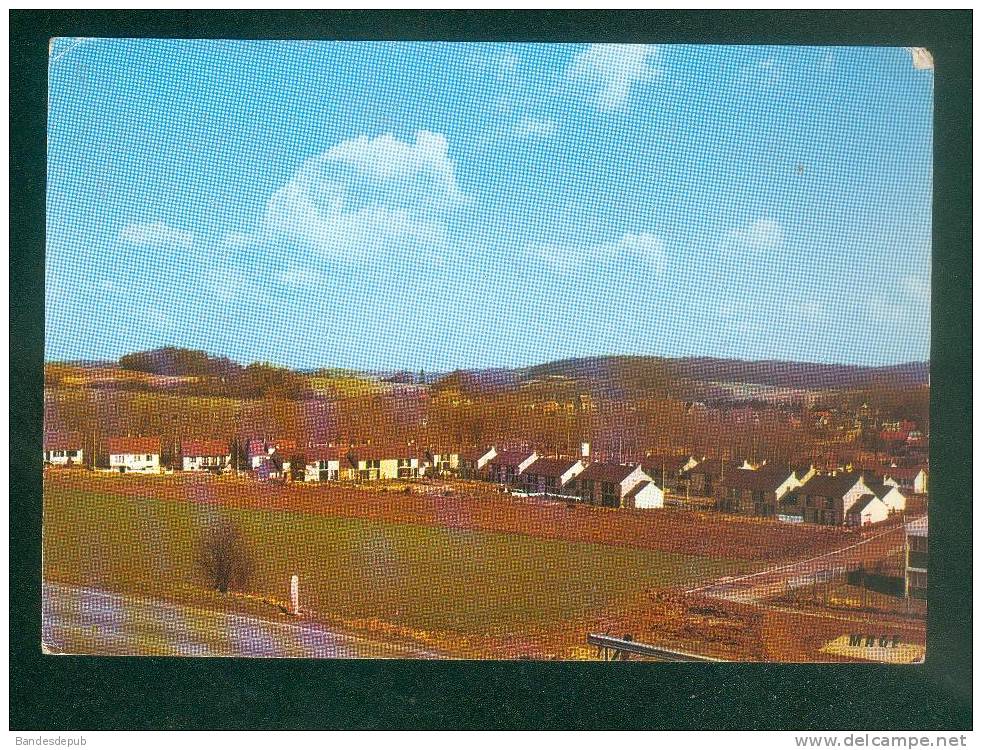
[{"x": 465, "y": 582}]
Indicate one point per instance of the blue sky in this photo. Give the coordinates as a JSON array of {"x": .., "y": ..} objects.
[{"x": 432, "y": 206}]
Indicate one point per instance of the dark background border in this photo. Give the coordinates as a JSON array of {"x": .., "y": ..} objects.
[{"x": 73, "y": 693}]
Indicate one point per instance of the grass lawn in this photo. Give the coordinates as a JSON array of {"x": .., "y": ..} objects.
[{"x": 468, "y": 582}]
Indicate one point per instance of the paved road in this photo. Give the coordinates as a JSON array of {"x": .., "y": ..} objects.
[
  {"x": 750, "y": 589},
  {"x": 79, "y": 620}
]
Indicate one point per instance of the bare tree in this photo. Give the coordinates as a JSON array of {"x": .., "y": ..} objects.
[{"x": 224, "y": 557}]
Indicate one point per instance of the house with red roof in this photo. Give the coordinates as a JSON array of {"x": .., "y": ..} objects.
[
  {"x": 667, "y": 469},
  {"x": 756, "y": 492},
  {"x": 827, "y": 500},
  {"x": 372, "y": 462},
  {"x": 323, "y": 463},
  {"x": 474, "y": 460},
  {"x": 867, "y": 510},
  {"x": 507, "y": 466},
  {"x": 259, "y": 450},
  {"x": 550, "y": 476},
  {"x": 441, "y": 463},
  {"x": 910, "y": 478},
  {"x": 618, "y": 486},
  {"x": 62, "y": 449},
  {"x": 134, "y": 455},
  {"x": 206, "y": 455}
]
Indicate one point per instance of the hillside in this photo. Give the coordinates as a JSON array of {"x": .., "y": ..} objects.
[
  {"x": 793, "y": 375},
  {"x": 614, "y": 377}
]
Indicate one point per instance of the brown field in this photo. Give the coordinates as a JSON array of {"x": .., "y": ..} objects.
[
  {"x": 477, "y": 506},
  {"x": 659, "y": 612}
]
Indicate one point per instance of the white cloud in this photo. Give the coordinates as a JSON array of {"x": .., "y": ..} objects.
[
  {"x": 364, "y": 196},
  {"x": 387, "y": 159},
  {"x": 156, "y": 234},
  {"x": 534, "y": 127},
  {"x": 610, "y": 70},
  {"x": 756, "y": 237},
  {"x": 644, "y": 247}
]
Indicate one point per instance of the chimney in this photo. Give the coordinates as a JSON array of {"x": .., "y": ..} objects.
[
  {"x": 585, "y": 452},
  {"x": 294, "y": 595}
]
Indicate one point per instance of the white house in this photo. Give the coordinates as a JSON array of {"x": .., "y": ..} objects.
[
  {"x": 617, "y": 486},
  {"x": 323, "y": 463},
  {"x": 62, "y": 449},
  {"x": 471, "y": 462},
  {"x": 912, "y": 479},
  {"x": 507, "y": 466},
  {"x": 757, "y": 493},
  {"x": 890, "y": 494},
  {"x": 385, "y": 462},
  {"x": 134, "y": 455},
  {"x": 550, "y": 476},
  {"x": 828, "y": 499},
  {"x": 443, "y": 463},
  {"x": 866, "y": 511},
  {"x": 259, "y": 451},
  {"x": 645, "y": 495},
  {"x": 205, "y": 455}
]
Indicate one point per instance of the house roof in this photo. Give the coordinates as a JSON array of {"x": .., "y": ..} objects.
[
  {"x": 829, "y": 486},
  {"x": 900, "y": 472},
  {"x": 711, "y": 467},
  {"x": 255, "y": 447},
  {"x": 511, "y": 458},
  {"x": 380, "y": 452},
  {"x": 862, "y": 503},
  {"x": 205, "y": 448},
  {"x": 633, "y": 492},
  {"x": 767, "y": 479},
  {"x": 322, "y": 453},
  {"x": 606, "y": 472},
  {"x": 671, "y": 464},
  {"x": 62, "y": 441},
  {"x": 118, "y": 445},
  {"x": 473, "y": 454},
  {"x": 879, "y": 489},
  {"x": 551, "y": 467}
]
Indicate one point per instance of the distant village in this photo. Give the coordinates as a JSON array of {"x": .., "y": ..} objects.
[{"x": 857, "y": 492}]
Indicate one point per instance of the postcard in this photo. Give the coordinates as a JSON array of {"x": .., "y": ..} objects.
[{"x": 424, "y": 350}]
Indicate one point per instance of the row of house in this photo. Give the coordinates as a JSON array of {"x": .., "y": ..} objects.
[
  {"x": 789, "y": 493},
  {"x": 613, "y": 485},
  {"x": 794, "y": 494},
  {"x": 268, "y": 459},
  {"x": 802, "y": 495}
]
